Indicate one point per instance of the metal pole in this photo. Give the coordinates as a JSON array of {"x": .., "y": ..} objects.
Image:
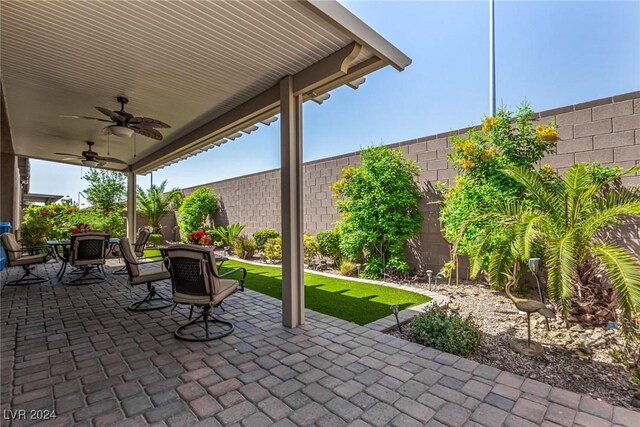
[{"x": 492, "y": 62}]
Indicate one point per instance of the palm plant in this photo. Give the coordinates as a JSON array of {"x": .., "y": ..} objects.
[
  {"x": 227, "y": 234},
  {"x": 154, "y": 203},
  {"x": 566, "y": 220}
]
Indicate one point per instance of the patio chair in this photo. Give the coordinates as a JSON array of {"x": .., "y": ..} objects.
[
  {"x": 138, "y": 248},
  {"x": 195, "y": 281},
  {"x": 17, "y": 256},
  {"x": 146, "y": 276},
  {"x": 88, "y": 255}
]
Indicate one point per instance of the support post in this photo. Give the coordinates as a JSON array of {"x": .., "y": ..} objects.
[
  {"x": 492, "y": 61},
  {"x": 291, "y": 205},
  {"x": 131, "y": 206}
]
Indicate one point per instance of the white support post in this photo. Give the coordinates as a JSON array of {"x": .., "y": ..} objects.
[
  {"x": 131, "y": 206},
  {"x": 292, "y": 209}
]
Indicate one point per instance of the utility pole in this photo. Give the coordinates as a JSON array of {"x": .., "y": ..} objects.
[{"x": 492, "y": 62}]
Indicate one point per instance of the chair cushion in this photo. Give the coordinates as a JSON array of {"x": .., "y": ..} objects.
[
  {"x": 227, "y": 287},
  {"x": 150, "y": 275},
  {"x": 29, "y": 259},
  {"x": 13, "y": 247},
  {"x": 128, "y": 256}
]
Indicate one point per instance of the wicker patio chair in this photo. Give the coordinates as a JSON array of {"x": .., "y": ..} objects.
[
  {"x": 154, "y": 300},
  {"x": 195, "y": 281},
  {"x": 27, "y": 258}
]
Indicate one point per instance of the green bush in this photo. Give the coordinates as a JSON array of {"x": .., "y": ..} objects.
[
  {"x": 35, "y": 228},
  {"x": 310, "y": 248},
  {"x": 378, "y": 204},
  {"x": 226, "y": 234},
  {"x": 273, "y": 249},
  {"x": 196, "y": 209},
  {"x": 156, "y": 240},
  {"x": 261, "y": 236},
  {"x": 347, "y": 268},
  {"x": 244, "y": 247},
  {"x": 445, "y": 331},
  {"x": 329, "y": 245}
]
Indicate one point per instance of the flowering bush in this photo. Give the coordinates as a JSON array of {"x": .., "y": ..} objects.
[
  {"x": 80, "y": 228},
  {"x": 199, "y": 237},
  {"x": 273, "y": 249}
]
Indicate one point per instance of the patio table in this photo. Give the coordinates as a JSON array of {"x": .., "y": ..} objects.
[{"x": 61, "y": 250}]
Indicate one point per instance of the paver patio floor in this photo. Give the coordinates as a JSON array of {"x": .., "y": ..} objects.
[{"x": 79, "y": 351}]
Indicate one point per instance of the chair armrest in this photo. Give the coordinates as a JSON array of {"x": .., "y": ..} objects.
[{"x": 235, "y": 270}]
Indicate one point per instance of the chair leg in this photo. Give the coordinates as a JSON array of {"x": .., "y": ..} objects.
[
  {"x": 87, "y": 272},
  {"x": 190, "y": 312},
  {"x": 27, "y": 278},
  {"x": 205, "y": 317},
  {"x": 146, "y": 303}
]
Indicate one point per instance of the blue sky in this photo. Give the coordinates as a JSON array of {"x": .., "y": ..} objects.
[{"x": 549, "y": 53}]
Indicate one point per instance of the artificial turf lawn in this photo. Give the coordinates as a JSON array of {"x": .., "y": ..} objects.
[{"x": 355, "y": 302}]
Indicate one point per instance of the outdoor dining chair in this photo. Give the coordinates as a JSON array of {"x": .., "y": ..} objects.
[
  {"x": 25, "y": 257},
  {"x": 195, "y": 281},
  {"x": 88, "y": 255},
  {"x": 154, "y": 300},
  {"x": 138, "y": 248}
]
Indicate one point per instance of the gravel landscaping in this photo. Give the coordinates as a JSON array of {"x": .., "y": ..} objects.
[{"x": 579, "y": 360}]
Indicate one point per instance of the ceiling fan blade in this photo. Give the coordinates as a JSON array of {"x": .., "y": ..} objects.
[
  {"x": 148, "y": 122},
  {"x": 100, "y": 164},
  {"x": 116, "y": 117},
  {"x": 148, "y": 132},
  {"x": 109, "y": 159},
  {"x": 84, "y": 117},
  {"x": 69, "y": 155}
]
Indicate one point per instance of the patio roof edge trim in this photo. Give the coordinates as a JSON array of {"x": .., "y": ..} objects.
[
  {"x": 326, "y": 74},
  {"x": 341, "y": 18}
]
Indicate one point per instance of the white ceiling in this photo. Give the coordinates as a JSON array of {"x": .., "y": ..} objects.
[{"x": 181, "y": 62}]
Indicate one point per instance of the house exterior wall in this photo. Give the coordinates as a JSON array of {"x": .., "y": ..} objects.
[{"x": 606, "y": 130}]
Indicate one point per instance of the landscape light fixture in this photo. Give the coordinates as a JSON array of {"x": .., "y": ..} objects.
[
  {"x": 395, "y": 309},
  {"x": 429, "y": 275}
]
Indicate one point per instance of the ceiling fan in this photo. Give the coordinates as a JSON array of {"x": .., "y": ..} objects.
[
  {"x": 90, "y": 158},
  {"x": 124, "y": 124}
]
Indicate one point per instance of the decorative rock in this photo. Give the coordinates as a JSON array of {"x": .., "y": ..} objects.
[
  {"x": 577, "y": 328},
  {"x": 521, "y": 347}
]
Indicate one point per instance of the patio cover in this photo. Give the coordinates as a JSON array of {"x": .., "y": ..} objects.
[{"x": 208, "y": 68}]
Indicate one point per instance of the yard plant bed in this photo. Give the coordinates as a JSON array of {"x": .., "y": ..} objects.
[
  {"x": 578, "y": 360},
  {"x": 356, "y": 302}
]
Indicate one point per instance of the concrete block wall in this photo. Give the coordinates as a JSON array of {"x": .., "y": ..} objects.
[{"x": 605, "y": 130}]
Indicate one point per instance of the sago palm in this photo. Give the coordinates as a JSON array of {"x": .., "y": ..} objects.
[
  {"x": 566, "y": 220},
  {"x": 154, "y": 203}
]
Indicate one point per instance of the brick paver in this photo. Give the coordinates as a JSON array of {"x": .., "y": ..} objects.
[{"x": 78, "y": 351}]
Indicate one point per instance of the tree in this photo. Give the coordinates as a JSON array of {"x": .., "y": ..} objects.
[
  {"x": 154, "y": 203},
  {"x": 196, "y": 209},
  {"x": 567, "y": 219},
  {"x": 106, "y": 189},
  {"x": 378, "y": 203}
]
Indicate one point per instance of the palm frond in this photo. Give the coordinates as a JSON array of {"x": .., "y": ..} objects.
[
  {"x": 500, "y": 264},
  {"x": 623, "y": 270},
  {"x": 563, "y": 265},
  {"x": 544, "y": 196}
]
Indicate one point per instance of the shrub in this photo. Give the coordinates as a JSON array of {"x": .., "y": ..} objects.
[
  {"x": 329, "y": 245},
  {"x": 310, "y": 248},
  {"x": 347, "y": 268},
  {"x": 244, "y": 247},
  {"x": 226, "y": 234},
  {"x": 445, "y": 331},
  {"x": 273, "y": 249},
  {"x": 261, "y": 236},
  {"x": 156, "y": 240},
  {"x": 106, "y": 190},
  {"x": 35, "y": 227},
  {"x": 196, "y": 209},
  {"x": 378, "y": 204}
]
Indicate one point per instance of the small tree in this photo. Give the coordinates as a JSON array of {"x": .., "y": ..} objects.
[
  {"x": 196, "y": 209},
  {"x": 154, "y": 203},
  {"x": 378, "y": 203},
  {"x": 106, "y": 189}
]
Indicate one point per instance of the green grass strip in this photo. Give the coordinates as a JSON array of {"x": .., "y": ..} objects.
[{"x": 355, "y": 302}]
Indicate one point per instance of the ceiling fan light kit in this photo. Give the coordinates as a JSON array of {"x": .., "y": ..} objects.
[
  {"x": 90, "y": 163},
  {"x": 121, "y": 131}
]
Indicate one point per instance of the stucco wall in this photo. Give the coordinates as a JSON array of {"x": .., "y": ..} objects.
[{"x": 605, "y": 130}]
